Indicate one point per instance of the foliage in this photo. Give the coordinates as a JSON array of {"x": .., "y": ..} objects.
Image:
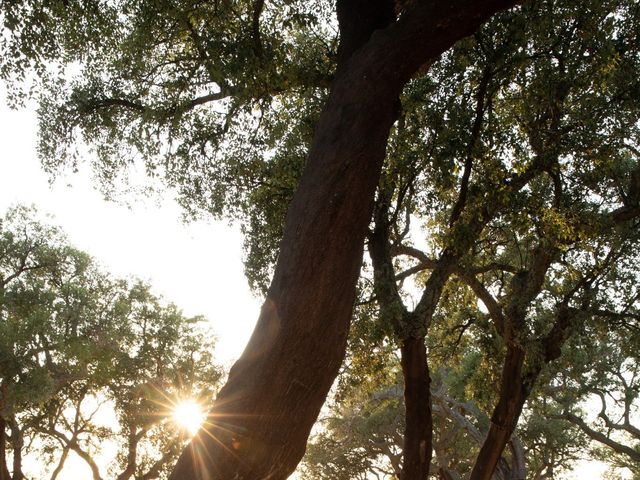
[
  {"x": 195, "y": 93},
  {"x": 516, "y": 155},
  {"x": 88, "y": 360},
  {"x": 542, "y": 96}
]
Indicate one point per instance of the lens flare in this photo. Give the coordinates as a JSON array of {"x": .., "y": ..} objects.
[{"x": 188, "y": 415}]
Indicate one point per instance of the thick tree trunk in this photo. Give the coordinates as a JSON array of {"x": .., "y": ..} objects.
[
  {"x": 418, "y": 441},
  {"x": 513, "y": 394},
  {"x": 409, "y": 329},
  {"x": 17, "y": 465},
  {"x": 262, "y": 417},
  {"x": 4, "y": 470}
]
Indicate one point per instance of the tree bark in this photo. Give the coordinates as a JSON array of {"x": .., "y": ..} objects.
[
  {"x": 4, "y": 470},
  {"x": 61, "y": 462},
  {"x": 17, "y": 444},
  {"x": 262, "y": 417},
  {"x": 515, "y": 387},
  {"x": 95, "y": 470},
  {"x": 418, "y": 441},
  {"x": 410, "y": 331},
  {"x": 513, "y": 394}
]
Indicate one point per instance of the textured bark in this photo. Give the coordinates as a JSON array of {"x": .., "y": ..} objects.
[
  {"x": 4, "y": 470},
  {"x": 410, "y": 330},
  {"x": 262, "y": 417},
  {"x": 513, "y": 394},
  {"x": 418, "y": 436},
  {"x": 516, "y": 383}
]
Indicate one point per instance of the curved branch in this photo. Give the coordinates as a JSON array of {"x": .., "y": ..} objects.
[
  {"x": 392, "y": 309},
  {"x": 72, "y": 444},
  {"x": 416, "y": 253},
  {"x": 61, "y": 462},
  {"x": 601, "y": 438},
  {"x": 494, "y": 308}
]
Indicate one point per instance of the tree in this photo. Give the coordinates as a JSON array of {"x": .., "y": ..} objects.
[
  {"x": 158, "y": 97},
  {"x": 77, "y": 343},
  {"x": 557, "y": 103},
  {"x": 363, "y": 435},
  {"x": 298, "y": 345},
  {"x": 604, "y": 372}
]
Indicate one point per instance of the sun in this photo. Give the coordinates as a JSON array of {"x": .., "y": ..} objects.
[{"x": 189, "y": 415}]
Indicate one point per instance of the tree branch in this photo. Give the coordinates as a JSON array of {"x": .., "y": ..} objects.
[
  {"x": 600, "y": 437},
  {"x": 473, "y": 141},
  {"x": 494, "y": 308},
  {"x": 258, "y": 6}
]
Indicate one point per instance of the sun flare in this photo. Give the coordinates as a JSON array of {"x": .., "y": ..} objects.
[{"x": 189, "y": 415}]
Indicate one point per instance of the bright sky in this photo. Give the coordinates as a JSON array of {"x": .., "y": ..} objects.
[{"x": 197, "y": 266}]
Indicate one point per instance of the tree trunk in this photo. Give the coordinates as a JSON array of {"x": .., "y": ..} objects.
[
  {"x": 446, "y": 474},
  {"x": 518, "y": 462},
  {"x": 262, "y": 417},
  {"x": 17, "y": 443},
  {"x": 4, "y": 470},
  {"x": 132, "y": 452},
  {"x": 61, "y": 462},
  {"x": 17, "y": 464},
  {"x": 418, "y": 441},
  {"x": 95, "y": 470},
  {"x": 513, "y": 394}
]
